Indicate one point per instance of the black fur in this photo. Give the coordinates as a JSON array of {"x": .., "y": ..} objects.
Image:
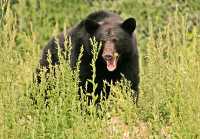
[{"x": 104, "y": 26}]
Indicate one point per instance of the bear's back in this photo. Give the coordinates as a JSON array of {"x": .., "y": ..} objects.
[{"x": 101, "y": 16}]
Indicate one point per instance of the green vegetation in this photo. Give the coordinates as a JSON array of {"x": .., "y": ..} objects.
[{"x": 168, "y": 34}]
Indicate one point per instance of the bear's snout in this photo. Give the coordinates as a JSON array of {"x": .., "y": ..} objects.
[
  {"x": 107, "y": 57},
  {"x": 110, "y": 56},
  {"x": 108, "y": 50}
]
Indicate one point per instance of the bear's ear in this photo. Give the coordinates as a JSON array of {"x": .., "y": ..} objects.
[
  {"x": 129, "y": 25},
  {"x": 91, "y": 26}
]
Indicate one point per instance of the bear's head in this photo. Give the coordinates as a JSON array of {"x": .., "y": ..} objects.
[{"x": 115, "y": 37}]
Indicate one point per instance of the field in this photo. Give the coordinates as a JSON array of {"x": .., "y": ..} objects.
[{"x": 168, "y": 35}]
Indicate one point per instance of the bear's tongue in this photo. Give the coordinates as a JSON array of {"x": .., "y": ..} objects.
[{"x": 112, "y": 64}]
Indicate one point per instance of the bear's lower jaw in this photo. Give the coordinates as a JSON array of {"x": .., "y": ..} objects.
[{"x": 112, "y": 64}]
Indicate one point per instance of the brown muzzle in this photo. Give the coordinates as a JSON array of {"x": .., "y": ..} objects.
[{"x": 110, "y": 55}]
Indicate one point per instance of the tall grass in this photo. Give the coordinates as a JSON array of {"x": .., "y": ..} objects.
[{"x": 169, "y": 88}]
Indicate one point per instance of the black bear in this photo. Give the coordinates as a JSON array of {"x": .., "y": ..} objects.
[{"x": 118, "y": 54}]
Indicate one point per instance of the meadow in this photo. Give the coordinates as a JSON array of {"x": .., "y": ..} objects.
[{"x": 168, "y": 35}]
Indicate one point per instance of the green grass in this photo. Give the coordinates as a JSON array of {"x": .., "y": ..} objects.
[{"x": 168, "y": 35}]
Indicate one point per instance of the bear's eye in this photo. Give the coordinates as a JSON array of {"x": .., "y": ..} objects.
[{"x": 114, "y": 40}]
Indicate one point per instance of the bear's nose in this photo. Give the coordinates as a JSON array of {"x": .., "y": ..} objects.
[{"x": 107, "y": 57}]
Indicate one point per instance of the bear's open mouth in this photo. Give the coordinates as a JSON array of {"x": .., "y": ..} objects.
[{"x": 112, "y": 63}]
